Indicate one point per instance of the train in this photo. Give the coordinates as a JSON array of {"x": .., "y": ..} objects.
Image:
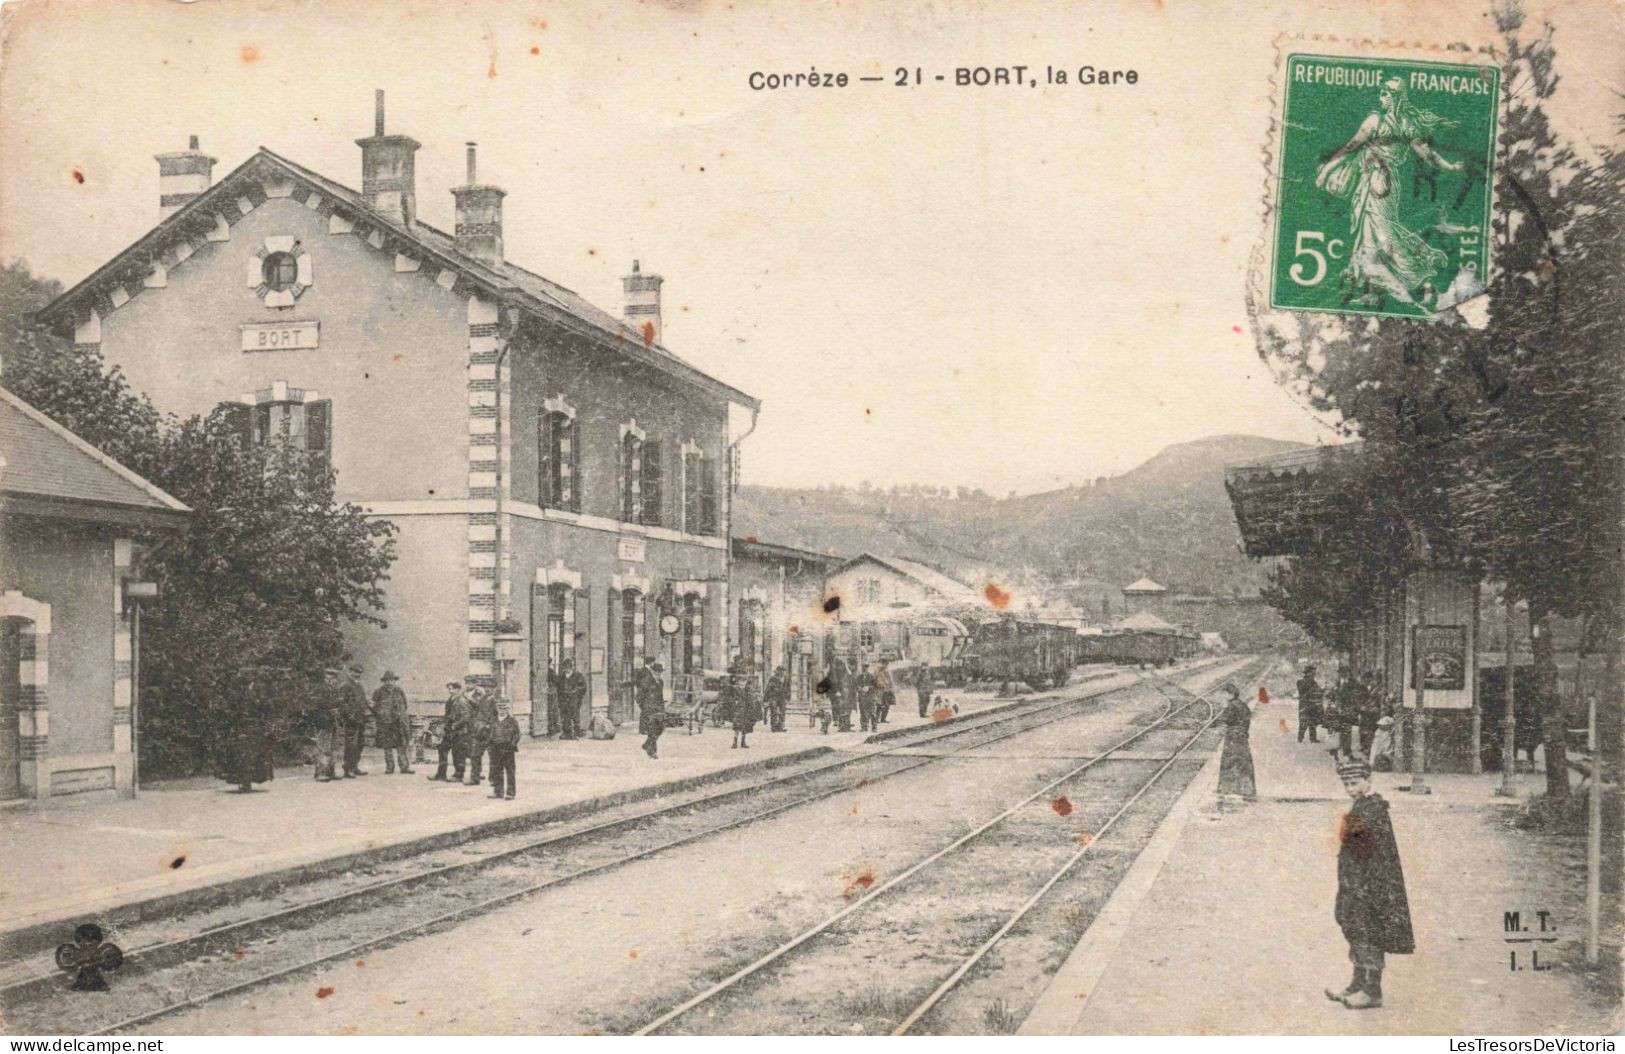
[
  {"x": 1004, "y": 650},
  {"x": 1011, "y": 650},
  {"x": 1139, "y": 647}
]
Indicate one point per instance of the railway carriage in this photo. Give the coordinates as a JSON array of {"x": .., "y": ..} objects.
[{"x": 1009, "y": 649}]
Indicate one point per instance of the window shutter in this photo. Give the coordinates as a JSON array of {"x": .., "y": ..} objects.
[
  {"x": 691, "y": 493},
  {"x": 570, "y": 468},
  {"x": 319, "y": 432},
  {"x": 708, "y": 498},
  {"x": 546, "y": 463},
  {"x": 631, "y": 469},
  {"x": 239, "y": 421},
  {"x": 651, "y": 483}
]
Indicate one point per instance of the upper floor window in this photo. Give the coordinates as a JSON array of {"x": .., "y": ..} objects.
[
  {"x": 641, "y": 484},
  {"x": 699, "y": 493},
  {"x": 291, "y": 423},
  {"x": 558, "y": 442}
]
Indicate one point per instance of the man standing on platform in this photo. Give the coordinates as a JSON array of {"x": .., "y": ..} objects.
[
  {"x": 482, "y": 723},
  {"x": 776, "y": 699},
  {"x": 1311, "y": 700},
  {"x": 453, "y": 733},
  {"x": 326, "y": 720},
  {"x": 353, "y": 712},
  {"x": 922, "y": 690},
  {"x": 1372, "y": 909},
  {"x": 393, "y": 723},
  {"x": 650, "y": 694},
  {"x": 572, "y": 693},
  {"x": 504, "y": 747}
]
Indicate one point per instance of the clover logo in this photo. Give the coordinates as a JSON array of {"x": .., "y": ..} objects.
[{"x": 87, "y": 957}]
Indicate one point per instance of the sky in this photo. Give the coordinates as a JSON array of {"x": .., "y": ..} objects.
[{"x": 1008, "y": 288}]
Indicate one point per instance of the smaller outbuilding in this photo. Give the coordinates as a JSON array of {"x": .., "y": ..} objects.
[{"x": 70, "y": 521}]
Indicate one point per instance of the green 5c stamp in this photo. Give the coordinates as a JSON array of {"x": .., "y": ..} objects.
[{"x": 1383, "y": 185}]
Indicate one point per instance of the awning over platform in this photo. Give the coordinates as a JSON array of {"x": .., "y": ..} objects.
[{"x": 1282, "y": 502}]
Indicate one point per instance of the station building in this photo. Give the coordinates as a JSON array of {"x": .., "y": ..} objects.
[
  {"x": 560, "y": 480},
  {"x": 69, "y": 595}
]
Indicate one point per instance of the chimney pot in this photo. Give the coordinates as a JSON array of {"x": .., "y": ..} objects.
[
  {"x": 479, "y": 217},
  {"x": 643, "y": 303},
  {"x": 182, "y": 176},
  {"x": 388, "y": 176}
]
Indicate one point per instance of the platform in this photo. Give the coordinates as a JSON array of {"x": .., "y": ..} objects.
[{"x": 1225, "y": 923}]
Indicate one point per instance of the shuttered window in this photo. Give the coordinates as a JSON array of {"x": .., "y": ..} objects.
[
  {"x": 556, "y": 445},
  {"x": 692, "y": 468},
  {"x": 708, "y": 497},
  {"x": 650, "y": 484},
  {"x": 301, "y": 425}
]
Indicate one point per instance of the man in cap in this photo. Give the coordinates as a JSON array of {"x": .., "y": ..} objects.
[
  {"x": 572, "y": 693},
  {"x": 353, "y": 715},
  {"x": 325, "y": 718},
  {"x": 393, "y": 722},
  {"x": 482, "y": 722},
  {"x": 453, "y": 732},
  {"x": 1372, "y": 909},
  {"x": 504, "y": 747},
  {"x": 1311, "y": 700},
  {"x": 650, "y": 693}
]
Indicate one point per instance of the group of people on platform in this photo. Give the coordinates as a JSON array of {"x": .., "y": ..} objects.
[
  {"x": 1355, "y": 711},
  {"x": 872, "y": 693},
  {"x": 475, "y": 724},
  {"x": 479, "y": 735}
]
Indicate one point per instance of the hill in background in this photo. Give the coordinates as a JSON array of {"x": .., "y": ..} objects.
[{"x": 1168, "y": 519}]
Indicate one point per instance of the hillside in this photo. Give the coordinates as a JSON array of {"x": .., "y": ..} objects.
[{"x": 1168, "y": 519}]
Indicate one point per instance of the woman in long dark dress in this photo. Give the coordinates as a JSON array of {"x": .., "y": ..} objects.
[
  {"x": 1236, "y": 761},
  {"x": 747, "y": 708}
]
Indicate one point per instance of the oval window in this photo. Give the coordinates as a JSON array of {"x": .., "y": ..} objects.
[{"x": 280, "y": 270}]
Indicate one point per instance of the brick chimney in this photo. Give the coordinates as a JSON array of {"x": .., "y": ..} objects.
[
  {"x": 643, "y": 303},
  {"x": 479, "y": 217},
  {"x": 182, "y": 176},
  {"x": 388, "y": 181}
]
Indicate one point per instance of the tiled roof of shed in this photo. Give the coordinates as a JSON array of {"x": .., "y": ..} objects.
[{"x": 43, "y": 459}]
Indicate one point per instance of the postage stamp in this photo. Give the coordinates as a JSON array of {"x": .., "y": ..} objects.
[{"x": 1384, "y": 175}]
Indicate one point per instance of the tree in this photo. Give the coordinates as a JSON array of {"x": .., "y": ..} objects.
[
  {"x": 1502, "y": 445},
  {"x": 268, "y": 570}
]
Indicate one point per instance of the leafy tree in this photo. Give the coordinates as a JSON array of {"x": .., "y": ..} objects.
[
  {"x": 268, "y": 570},
  {"x": 1501, "y": 445}
]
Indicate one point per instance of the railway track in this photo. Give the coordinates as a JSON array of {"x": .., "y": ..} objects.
[
  {"x": 187, "y": 962},
  {"x": 842, "y": 933}
]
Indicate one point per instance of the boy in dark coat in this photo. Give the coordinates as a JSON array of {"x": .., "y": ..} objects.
[
  {"x": 504, "y": 745},
  {"x": 1372, "y": 909}
]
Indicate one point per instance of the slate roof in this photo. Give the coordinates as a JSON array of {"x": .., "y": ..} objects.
[
  {"x": 1145, "y": 620},
  {"x": 930, "y": 577},
  {"x": 506, "y": 281},
  {"x": 43, "y": 460}
]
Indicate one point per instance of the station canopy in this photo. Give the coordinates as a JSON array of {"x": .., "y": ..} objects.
[{"x": 1282, "y": 502}]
